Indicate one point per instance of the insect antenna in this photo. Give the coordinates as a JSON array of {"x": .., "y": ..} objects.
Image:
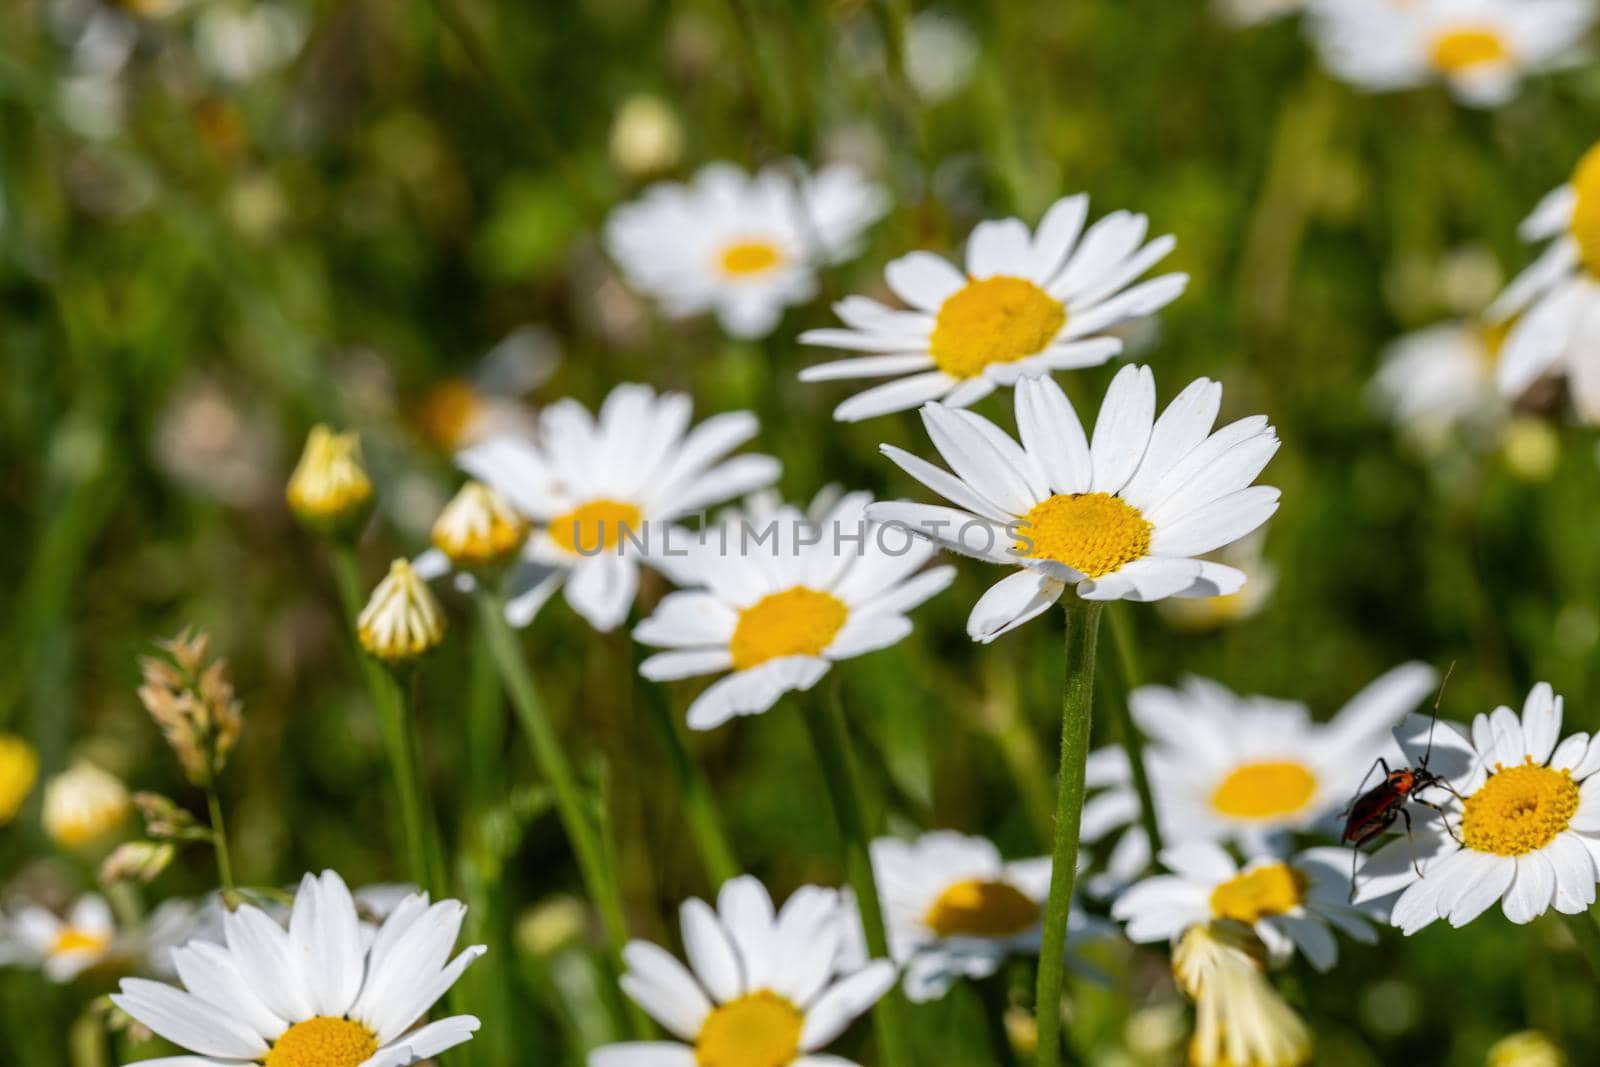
[{"x": 1437, "y": 700}]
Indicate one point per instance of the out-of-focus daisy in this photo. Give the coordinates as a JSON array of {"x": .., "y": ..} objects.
[
  {"x": 1212, "y": 612},
  {"x": 83, "y": 805},
  {"x": 19, "y": 770},
  {"x": 1556, "y": 300},
  {"x": 459, "y": 412},
  {"x": 941, "y": 54},
  {"x": 402, "y": 619},
  {"x": 606, "y": 490},
  {"x": 1239, "y": 1017},
  {"x": 646, "y": 136},
  {"x": 745, "y": 247},
  {"x": 764, "y": 988},
  {"x": 781, "y": 596},
  {"x": 1242, "y": 769},
  {"x": 1480, "y": 49},
  {"x": 314, "y": 994},
  {"x": 1528, "y": 1048},
  {"x": 1251, "y": 12},
  {"x": 1291, "y": 904},
  {"x": 1526, "y": 835},
  {"x": 1122, "y": 515},
  {"x": 64, "y": 947},
  {"x": 1438, "y": 379},
  {"x": 954, "y": 909},
  {"x": 240, "y": 43},
  {"x": 1026, "y": 304}
]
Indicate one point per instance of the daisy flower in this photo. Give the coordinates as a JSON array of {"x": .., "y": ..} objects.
[
  {"x": 743, "y": 246},
  {"x": 1556, "y": 300},
  {"x": 1123, "y": 514},
  {"x": 1026, "y": 304},
  {"x": 64, "y": 947},
  {"x": 765, "y": 988},
  {"x": 954, "y": 909},
  {"x": 1292, "y": 904},
  {"x": 1239, "y": 1017},
  {"x": 1526, "y": 832},
  {"x": 1434, "y": 380},
  {"x": 1480, "y": 49},
  {"x": 781, "y": 596},
  {"x": 1246, "y": 770},
  {"x": 314, "y": 993},
  {"x": 604, "y": 490}
]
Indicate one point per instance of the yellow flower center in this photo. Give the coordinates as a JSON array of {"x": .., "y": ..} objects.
[
  {"x": 981, "y": 909},
  {"x": 993, "y": 320},
  {"x": 19, "y": 769},
  {"x": 323, "y": 1041},
  {"x": 71, "y": 939},
  {"x": 1492, "y": 335},
  {"x": 1519, "y": 809},
  {"x": 1459, "y": 50},
  {"x": 1270, "y": 890},
  {"x": 1093, "y": 533},
  {"x": 1266, "y": 790},
  {"x": 758, "y": 1030},
  {"x": 596, "y": 526},
  {"x": 1585, "y": 225},
  {"x": 745, "y": 258},
  {"x": 448, "y": 411},
  {"x": 795, "y": 622}
]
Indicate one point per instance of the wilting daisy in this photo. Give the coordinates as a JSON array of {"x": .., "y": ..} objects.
[
  {"x": 782, "y": 595},
  {"x": 1527, "y": 833},
  {"x": 1435, "y": 380},
  {"x": 1026, "y": 304},
  {"x": 954, "y": 909},
  {"x": 1556, "y": 300},
  {"x": 83, "y": 806},
  {"x": 764, "y": 988},
  {"x": 1480, "y": 49},
  {"x": 1242, "y": 769},
  {"x": 605, "y": 490},
  {"x": 745, "y": 247},
  {"x": 63, "y": 947},
  {"x": 315, "y": 994},
  {"x": 1292, "y": 904},
  {"x": 1239, "y": 1017},
  {"x": 1121, "y": 515}
]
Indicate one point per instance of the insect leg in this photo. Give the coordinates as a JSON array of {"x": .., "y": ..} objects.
[
  {"x": 1362, "y": 788},
  {"x": 1444, "y": 816}
]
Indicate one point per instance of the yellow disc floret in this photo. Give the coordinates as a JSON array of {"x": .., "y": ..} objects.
[
  {"x": 1093, "y": 533},
  {"x": 758, "y": 1030},
  {"x": 323, "y": 1041},
  {"x": 1585, "y": 225},
  {"x": 981, "y": 909},
  {"x": 796, "y": 622},
  {"x": 597, "y": 526},
  {"x": 1272, "y": 889},
  {"x": 745, "y": 258},
  {"x": 1465, "y": 47},
  {"x": 993, "y": 320},
  {"x": 1519, "y": 809},
  {"x": 1267, "y": 790}
]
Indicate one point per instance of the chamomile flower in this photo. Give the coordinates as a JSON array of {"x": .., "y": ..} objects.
[
  {"x": 1434, "y": 381},
  {"x": 1241, "y": 769},
  {"x": 1292, "y": 904},
  {"x": 314, "y": 995},
  {"x": 1240, "y": 1019},
  {"x": 1025, "y": 305},
  {"x": 64, "y": 948},
  {"x": 605, "y": 490},
  {"x": 1123, "y": 514},
  {"x": 765, "y": 988},
  {"x": 781, "y": 596},
  {"x": 743, "y": 246},
  {"x": 954, "y": 909},
  {"x": 1556, "y": 300},
  {"x": 1525, "y": 831},
  {"x": 1480, "y": 49}
]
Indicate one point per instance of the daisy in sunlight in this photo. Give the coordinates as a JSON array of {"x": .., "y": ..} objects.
[
  {"x": 762, "y": 986},
  {"x": 63, "y": 947},
  {"x": 1242, "y": 769},
  {"x": 781, "y": 596},
  {"x": 1524, "y": 830},
  {"x": 1556, "y": 300},
  {"x": 1123, "y": 514},
  {"x": 1025, "y": 304},
  {"x": 1480, "y": 49},
  {"x": 1292, "y": 905},
  {"x": 954, "y": 909},
  {"x": 603, "y": 490},
  {"x": 317, "y": 994},
  {"x": 743, "y": 246}
]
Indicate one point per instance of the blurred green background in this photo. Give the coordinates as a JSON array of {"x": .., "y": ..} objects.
[{"x": 222, "y": 222}]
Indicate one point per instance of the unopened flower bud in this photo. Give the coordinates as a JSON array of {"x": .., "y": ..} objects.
[
  {"x": 329, "y": 489},
  {"x": 478, "y": 529},
  {"x": 402, "y": 620},
  {"x": 83, "y": 805}
]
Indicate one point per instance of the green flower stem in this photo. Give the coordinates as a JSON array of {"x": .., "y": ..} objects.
[
  {"x": 1132, "y": 740},
  {"x": 1077, "y": 700},
  {"x": 1585, "y": 930},
  {"x": 219, "y": 843},
  {"x": 384, "y": 690},
  {"x": 706, "y": 824},
  {"x": 830, "y": 736}
]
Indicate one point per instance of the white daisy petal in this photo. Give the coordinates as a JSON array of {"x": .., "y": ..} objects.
[{"x": 841, "y": 1004}]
